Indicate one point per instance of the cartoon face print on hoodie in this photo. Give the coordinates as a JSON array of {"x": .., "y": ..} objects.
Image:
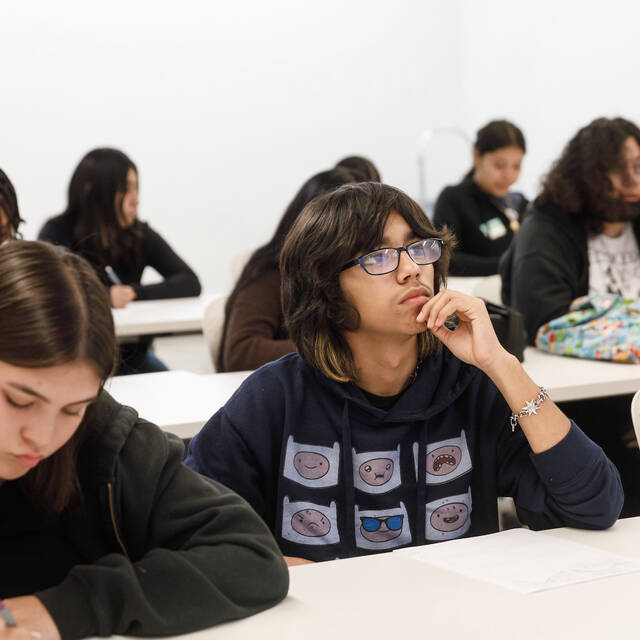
[
  {"x": 309, "y": 523},
  {"x": 446, "y": 460},
  {"x": 376, "y": 471},
  {"x": 449, "y": 517},
  {"x": 382, "y": 528},
  {"x": 311, "y": 465}
]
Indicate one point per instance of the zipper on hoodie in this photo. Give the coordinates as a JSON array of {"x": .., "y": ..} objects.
[{"x": 112, "y": 512}]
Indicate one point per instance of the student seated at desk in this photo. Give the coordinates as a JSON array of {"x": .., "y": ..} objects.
[
  {"x": 254, "y": 331},
  {"x": 582, "y": 237},
  {"x": 481, "y": 211},
  {"x": 386, "y": 428},
  {"x": 101, "y": 224},
  {"x": 103, "y": 529},
  {"x": 9, "y": 213}
]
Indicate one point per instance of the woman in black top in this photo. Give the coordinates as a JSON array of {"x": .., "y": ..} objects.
[
  {"x": 100, "y": 223},
  {"x": 480, "y": 210}
]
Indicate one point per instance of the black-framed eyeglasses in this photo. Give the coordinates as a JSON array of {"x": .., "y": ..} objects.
[{"x": 387, "y": 259}]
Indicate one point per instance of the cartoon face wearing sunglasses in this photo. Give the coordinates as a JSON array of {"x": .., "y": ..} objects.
[{"x": 382, "y": 528}]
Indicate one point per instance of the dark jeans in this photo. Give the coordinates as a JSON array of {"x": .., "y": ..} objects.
[
  {"x": 137, "y": 357},
  {"x": 605, "y": 421}
]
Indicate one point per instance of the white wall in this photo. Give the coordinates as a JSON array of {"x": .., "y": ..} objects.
[
  {"x": 226, "y": 108},
  {"x": 551, "y": 66}
]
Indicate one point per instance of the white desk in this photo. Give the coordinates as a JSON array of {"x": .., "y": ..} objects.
[
  {"x": 172, "y": 315},
  {"x": 177, "y": 401},
  {"x": 390, "y": 597},
  {"x": 575, "y": 379}
]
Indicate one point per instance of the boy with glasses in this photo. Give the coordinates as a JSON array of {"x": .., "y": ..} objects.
[{"x": 388, "y": 428}]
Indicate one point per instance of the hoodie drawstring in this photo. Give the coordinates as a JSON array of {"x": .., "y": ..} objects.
[
  {"x": 421, "y": 488},
  {"x": 347, "y": 469}
]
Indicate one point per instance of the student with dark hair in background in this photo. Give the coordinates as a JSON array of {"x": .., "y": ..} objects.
[
  {"x": 386, "y": 428},
  {"x": 254, "y": 331},
  {"x": 582, "y": 237},
  {"x": 101, "y": 224},
  {"x": 104, "y": 530},
  {"x": 9, "y": 213},
  {"x": 363, "y": 168},
  {"x": 481, "y": 211}
]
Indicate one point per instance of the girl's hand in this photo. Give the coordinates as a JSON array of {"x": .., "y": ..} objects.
[
  {"x": 292, "y": 561},
  {"x": 121, "y": 295},
  {"x": 473, "y": 341},
  {"x": 33, "y": 621}
]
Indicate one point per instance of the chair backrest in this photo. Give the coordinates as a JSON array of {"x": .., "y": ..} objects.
[
  {"x": 238, "y": 262},
  {"x": 489, "y": 289},
  {"x": 635, "y": 413},
  {"x": 212, "y": 326}
]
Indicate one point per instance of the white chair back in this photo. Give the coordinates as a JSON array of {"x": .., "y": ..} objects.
[
  {"x": 489, "y": 289},
  {"x": 635, "y": 414},
  {"x": 212, "y": 326},
  {"x": 238, "y": 262}
]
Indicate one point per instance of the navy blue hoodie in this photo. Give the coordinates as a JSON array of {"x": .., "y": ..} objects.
[{"x": 335, "y": 477}]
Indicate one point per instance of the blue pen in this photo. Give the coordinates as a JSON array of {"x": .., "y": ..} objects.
[
  {"x": 112, "y": 275},
  {"x": 6, "y": 615}
]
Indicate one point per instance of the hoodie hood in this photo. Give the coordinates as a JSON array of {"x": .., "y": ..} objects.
[{"x": 110, "y": 426}]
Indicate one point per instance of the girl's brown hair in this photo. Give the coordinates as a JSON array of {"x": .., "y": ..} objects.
[
  {"x": 329, "y": 232},
  {"x": 53, "y": 311},
  {"x": 579, "y": 182}
]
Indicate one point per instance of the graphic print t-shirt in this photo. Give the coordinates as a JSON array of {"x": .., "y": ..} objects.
[{"x": 614, "y": 264}]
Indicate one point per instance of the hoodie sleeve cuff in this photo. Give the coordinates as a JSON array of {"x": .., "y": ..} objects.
[
  {"x": 70, "y": 608},
  {"x": 564, "y": 461}
]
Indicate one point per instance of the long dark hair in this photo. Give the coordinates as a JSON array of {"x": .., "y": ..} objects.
[
  {"x": 327, "y": 234},
  {"x": 495, "y": 135},
  {"x": 267, "y": 257},
  {"x": 9, "y": 204},
  {"x": 361, "y": 167},
  {"x": 578, "y": 181},
  {"x": 54, "y": 311},
  {"x": 92, "y": 205}
]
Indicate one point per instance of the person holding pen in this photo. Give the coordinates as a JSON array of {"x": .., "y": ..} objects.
[
  {"x": 388, "y": 427},
  {"x": 101, "y": 224},
  {"x": 103, "y": 529}
]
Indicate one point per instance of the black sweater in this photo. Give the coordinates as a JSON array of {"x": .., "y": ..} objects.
[
  {"x": 179, "y": 280},
  {"x": 156, "y": 549},
  {"x": 464, "y": 208},
  {"x": 547, "y": 265}
]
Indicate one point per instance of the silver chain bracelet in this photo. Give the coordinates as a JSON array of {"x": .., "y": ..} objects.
[{"x": 530, "y": 408}]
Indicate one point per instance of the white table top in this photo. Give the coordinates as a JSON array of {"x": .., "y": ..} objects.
[
  {"x": 389, "y": 596},
  {"x": 575, "y": 378},
  {"x": 177, "y": 401},
  {"x": 172, "y": 315},
  {"x": 181, "y": 402}
]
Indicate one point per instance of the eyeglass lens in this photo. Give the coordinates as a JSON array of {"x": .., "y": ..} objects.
[{"x": 386, "y": 260}]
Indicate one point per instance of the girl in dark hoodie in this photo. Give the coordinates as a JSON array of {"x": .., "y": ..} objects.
[{"x": 103, "y": 530}]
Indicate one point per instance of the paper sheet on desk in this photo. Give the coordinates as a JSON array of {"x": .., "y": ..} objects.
[{"x": 523, "y": 560}]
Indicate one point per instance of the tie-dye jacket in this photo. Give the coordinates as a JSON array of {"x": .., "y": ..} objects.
[{"x": 335, "y": 477}]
